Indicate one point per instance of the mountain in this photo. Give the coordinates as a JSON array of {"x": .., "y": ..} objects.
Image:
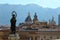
[{"x": 44, "y": 14}]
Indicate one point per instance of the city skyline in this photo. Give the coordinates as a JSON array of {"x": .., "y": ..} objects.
[
  {"x": 39, "y": 19},
  {"x": 42, "y": 13},
  {"x": 43, "y": 8}
]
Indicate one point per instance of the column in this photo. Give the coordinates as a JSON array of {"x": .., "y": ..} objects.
[{"x": 33, "y": 37}]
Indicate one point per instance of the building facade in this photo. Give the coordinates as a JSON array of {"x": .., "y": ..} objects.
[
  {"x": 33, "y": 29},
  {"x": 37, "y": 30}
]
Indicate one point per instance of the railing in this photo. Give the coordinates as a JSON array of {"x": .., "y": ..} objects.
[{"x": 51, "y": 30}]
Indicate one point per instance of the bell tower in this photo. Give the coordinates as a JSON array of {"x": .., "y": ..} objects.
[{"x": 35, "y": 19}]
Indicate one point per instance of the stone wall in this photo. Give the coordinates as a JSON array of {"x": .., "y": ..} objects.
[{"x": 31, "y": 35}]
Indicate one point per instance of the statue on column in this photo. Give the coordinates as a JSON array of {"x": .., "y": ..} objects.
[{"x": 13, "y": 22}]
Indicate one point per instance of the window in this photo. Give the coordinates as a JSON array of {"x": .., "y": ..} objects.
[
  {"x": 37, "y": 38},
  {"x": 41, "y": 39},
  {"x": 30, "y": 38},
  {"x": 44, "y": 36},
  {"x": 51, "y": 37}
]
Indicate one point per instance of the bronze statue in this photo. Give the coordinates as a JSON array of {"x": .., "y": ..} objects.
[{"x": 13, "y": 22}]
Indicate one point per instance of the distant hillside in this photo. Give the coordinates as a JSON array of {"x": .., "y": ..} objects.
[{"x": 22, "y": 12}]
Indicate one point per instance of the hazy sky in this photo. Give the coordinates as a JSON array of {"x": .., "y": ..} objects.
[{"x": 44, "y": 3}]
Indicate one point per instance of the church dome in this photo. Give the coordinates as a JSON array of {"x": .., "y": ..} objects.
[{"x": 28, "y": 19}]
